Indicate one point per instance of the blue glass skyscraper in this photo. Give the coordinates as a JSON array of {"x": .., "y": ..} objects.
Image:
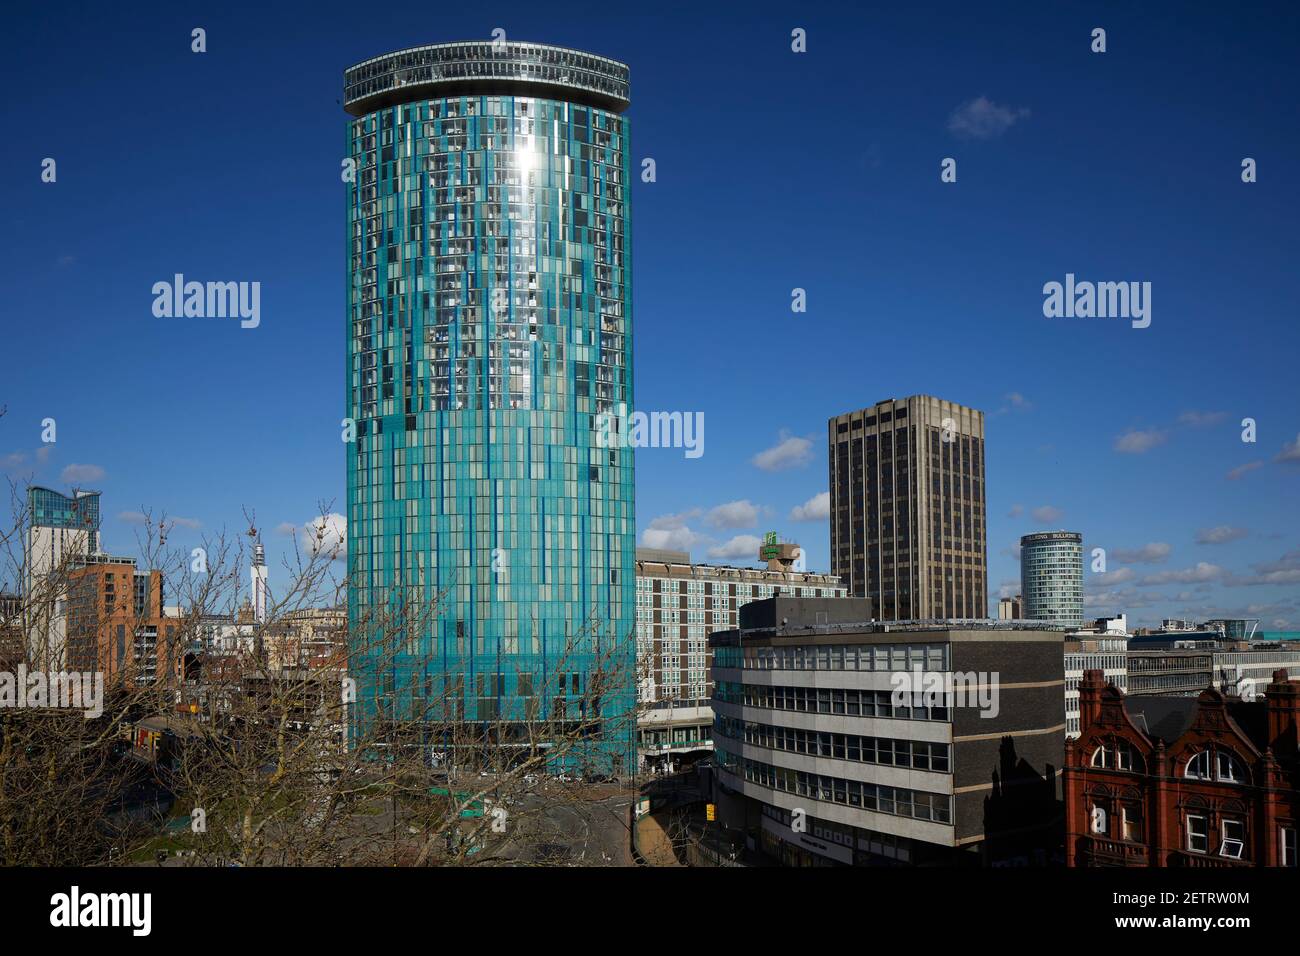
[{"x": 488, "y": 331}]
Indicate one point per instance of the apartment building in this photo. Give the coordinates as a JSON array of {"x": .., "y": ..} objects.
[
  {"x": 678, "y": 605},
  {"x": 116, "y": 622}
]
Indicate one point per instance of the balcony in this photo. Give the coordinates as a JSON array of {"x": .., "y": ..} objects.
[
  {"x": 1098, "y": 851},
  {"x": 1206, "y": 861}
]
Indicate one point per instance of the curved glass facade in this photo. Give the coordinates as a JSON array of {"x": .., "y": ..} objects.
[
  {"x": 1051, "y": 577},
  {"x": 489, "y": 324}
]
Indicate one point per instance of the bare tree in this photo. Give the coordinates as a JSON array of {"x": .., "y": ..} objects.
[{"x": 226, "y": 739}]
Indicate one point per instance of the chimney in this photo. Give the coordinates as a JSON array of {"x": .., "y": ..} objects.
[
  {"x": 1283, "y": 701},
  {"x": 1090, "y": 689}
]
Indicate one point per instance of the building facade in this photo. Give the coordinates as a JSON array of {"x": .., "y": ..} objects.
[
  {"x": 63, "y": 530},
  {"x": 908, "y": 508},
  {"x": 1183, "y": 782},
  {"x": 489, "y": 329},
  {"x": 1051, "y": 577},
  {"x": 305, "y": 638},
  {"x": 1244, "y": 669},
  {"x": 1169, "y": 673},
  {"x": 678, "y": 605},
  {"x": 824, "y": 755},
  {"x": 1235, "y": 628},
  {"x": 117, "y": 625},
  {"x": 1085, "y": 652}
]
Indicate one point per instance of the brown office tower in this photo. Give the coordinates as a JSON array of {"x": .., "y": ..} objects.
[{"x": 907, "y": 508}]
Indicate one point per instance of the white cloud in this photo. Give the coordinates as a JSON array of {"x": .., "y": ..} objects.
[
  {"x": 140, "y": 518},
  {"x": 1290, "y": 451},
  {"x": 1221, "y": 534},
  {"x": 78, "y": 474},
  {"x": 981, "y": 118},
  {"x": 1285, "y": 570},
  {"x": 326, "y": 534},
  {"x": 1241, "y": 470},
  {"x": 1014, "y": 402},
  {"x": 1291, "y": 576},
  {"x": 1288, "y": 562},
  {"x": 1136, "y": 441},
  {"x": 1115, "y": 599},
  {"x": 1118, "y": 576},
  {"x": 790, "y": 452},
  {"x": 734, "y": 514},
  {"x": 1201, "y": 419},
  {"x": 1202, "y": 572},
  {"x": 674, "y": 539},
  {"x": 1046, "y": 514},
  {"x": 816, "y": 508},
  {"x": 1016, "y": 511},
  {"x": 1152, "y": 553},
  {"x": 672, "y": 532},
  {"x": 742, "y": 546}
]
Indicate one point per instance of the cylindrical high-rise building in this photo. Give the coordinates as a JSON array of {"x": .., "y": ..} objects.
[
  {"x": 489, "y": 332},
  {"x": 1051, "y": 577}
]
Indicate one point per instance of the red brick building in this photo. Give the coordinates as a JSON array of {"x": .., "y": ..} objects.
[
  {"x": 1183, "y": 781},
  {"x": 116, "y": 623}
]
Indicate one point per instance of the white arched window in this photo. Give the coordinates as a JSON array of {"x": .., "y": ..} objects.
[
  {"x": 1216, "y": 763},
  {"x": 1116, "y": 755},
  {"x": 1228, "y": 767},
  {"x": 1199, "y": 767}
]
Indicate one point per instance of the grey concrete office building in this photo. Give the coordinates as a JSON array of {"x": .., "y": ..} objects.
[
  {"x": 908, "y": 524},
  {"x": 1051, "y": 577},
  {"x": 822, "y": 758}
]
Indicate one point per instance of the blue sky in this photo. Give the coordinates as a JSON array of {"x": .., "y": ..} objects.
[{"x": 775, "y": 170}]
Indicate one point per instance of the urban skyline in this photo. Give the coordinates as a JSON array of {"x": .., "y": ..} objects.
[
  {"x": 1082, "y": 448},
  {"x": 536, "y": 438}
]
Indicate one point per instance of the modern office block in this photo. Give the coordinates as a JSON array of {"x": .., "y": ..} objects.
[
  {"x": 1085, "y": 652},
  {"x": 908, "y": 508},
  {"x": 489, "y": 327},
  {"x": 824, "y": 757},
  {"x": 1051, "y": 577}
]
